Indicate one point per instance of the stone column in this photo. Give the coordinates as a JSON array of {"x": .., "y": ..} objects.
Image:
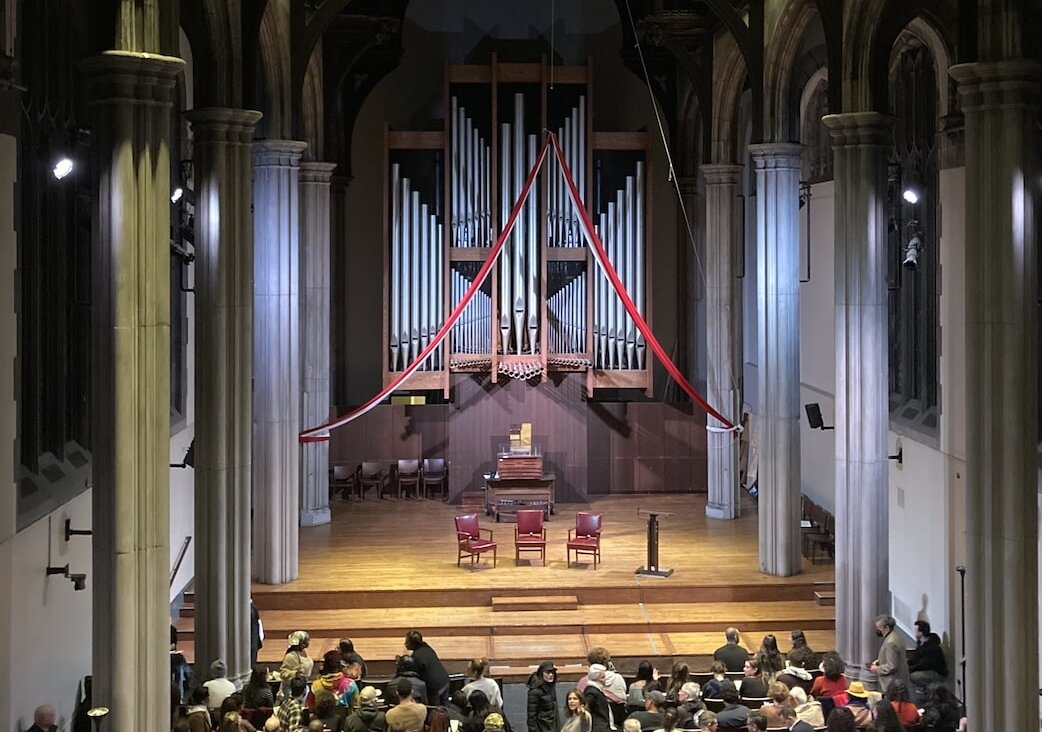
[
  {"x": 276, "y": 362},
  {"x": 223, "y": 374},
  {"x": 1001, "y": 101},
  {"x": 723, "y": 360},
  {"x": 778, "y": 363},
  {"x": 861, "y": 144},
  {"x": 690, "y": 281},
  {"x": 338, "y": 258},
  {"x": 315, "y": 223},
  {"x": 131, "y": 96}
]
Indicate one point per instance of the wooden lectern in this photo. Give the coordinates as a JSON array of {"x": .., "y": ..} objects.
[{"x": 652, "y": 568}]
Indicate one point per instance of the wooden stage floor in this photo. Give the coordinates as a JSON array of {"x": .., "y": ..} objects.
[{"x": 383, "y": 567}]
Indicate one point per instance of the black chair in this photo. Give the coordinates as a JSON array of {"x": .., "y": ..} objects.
[{"x": 435, "y": 474}]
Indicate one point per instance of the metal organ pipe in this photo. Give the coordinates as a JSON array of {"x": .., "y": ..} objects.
[
  {"x": 532, "y": 255},
  {"x": 506, "y": 199},
  {"x": 520, "y": 228},
  {"x": 396, "y": 264}
]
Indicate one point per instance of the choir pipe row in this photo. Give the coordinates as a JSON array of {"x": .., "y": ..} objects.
[
  {"x": 472, "y": 332},
  {"x": 618, "y": 344},
  {"x": 519, "y": 263},
  {"x": 563, "y": 227},
  {"x": 417, "y": 284},
  {"x": 471, "y": 214},
  {"x": 567, "y": 309}
]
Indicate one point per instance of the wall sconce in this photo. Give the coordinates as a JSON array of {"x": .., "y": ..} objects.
[
  {"x": 71, "y": 532},
  {"x": 79, "y": 581},
  {"x": 913, "y": 246},
  {"x": 814, "y": 417},
  {"x": 899, "y": 456}
]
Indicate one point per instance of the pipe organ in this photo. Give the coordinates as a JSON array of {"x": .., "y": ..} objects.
[{"x": 546, "y": 306}]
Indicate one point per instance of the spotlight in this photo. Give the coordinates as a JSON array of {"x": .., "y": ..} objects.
[
  {"x": 914, "y": 245},
  {"x": 912, "y": 191},
  {"x": 176, "y": 195},
  {"x": 79, "y": 581},
  {"x": 911, "y": 194},
  {"x": 62, "y": 168}
]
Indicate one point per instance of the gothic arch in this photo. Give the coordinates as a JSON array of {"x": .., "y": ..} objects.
[
  {"x": 860, "y": 21},
  {"x": 312, "y": 108},
  {"x": 274, "y": 52},
  {"x": 727, "y": 90},
  {"x": 781, "y": 54}
]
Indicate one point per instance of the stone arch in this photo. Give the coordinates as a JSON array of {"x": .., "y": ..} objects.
[
  {"x": 921, "y": 29},
  {"x": 782, "y": 51},
  {"x": 274, "y": 56},
  {"x": 689, "y": 134},
  {"x": 817, "y": 145},
  {"x": 860, "y": 21},
  {"x": 218, "y": 82},
  {"x": 727, "y": 89},
  {"x": 312, "y": 110}
]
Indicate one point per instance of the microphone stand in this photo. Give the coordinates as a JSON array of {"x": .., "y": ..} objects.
[{"x": 962, "y": 617}]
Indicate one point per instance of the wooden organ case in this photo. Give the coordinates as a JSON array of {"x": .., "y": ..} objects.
[{"x": 546, "y": 306}]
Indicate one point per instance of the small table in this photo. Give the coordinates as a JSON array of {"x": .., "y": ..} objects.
[{"x": 506, "y": 495}]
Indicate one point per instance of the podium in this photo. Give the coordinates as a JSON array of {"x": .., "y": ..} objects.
[{"x": 652, "y": 568}]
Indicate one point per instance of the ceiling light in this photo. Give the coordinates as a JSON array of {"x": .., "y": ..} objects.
[
  {"x": 62, "y": 168},
  {"x": 176, "y": 195},
  {"x": 911, "y": 194}
]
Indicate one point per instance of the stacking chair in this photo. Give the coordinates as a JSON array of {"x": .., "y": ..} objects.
[
  {"x": 372, "y": 475},
  {"x": 342, "y": 480},
  {"x": 469, "y": 540},
  {"x": 435, "y": 474},
  {"x": 408, "y": 474},
  {"x": 585, "y": 538},
  {"x": 529, "y": 534}
]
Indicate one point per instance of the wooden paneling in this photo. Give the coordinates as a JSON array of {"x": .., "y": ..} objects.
[{"x": 593, "y": 448}]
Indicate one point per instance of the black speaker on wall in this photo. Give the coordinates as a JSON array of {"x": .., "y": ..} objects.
[{"x": 814, "y": 417}]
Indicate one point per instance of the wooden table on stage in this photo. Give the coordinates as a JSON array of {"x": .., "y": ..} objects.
[{"x": 507, "y": 495}]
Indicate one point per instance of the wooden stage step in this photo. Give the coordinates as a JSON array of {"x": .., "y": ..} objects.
[
  {"x": 825, "y": 598},
  {"x": 537, "y": 602}
]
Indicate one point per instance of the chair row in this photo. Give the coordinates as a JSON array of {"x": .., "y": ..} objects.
[
  {"x": 819, "y": 531},
  {"x": 426, "y": 477},
  {"x": 529, "y": 536}
]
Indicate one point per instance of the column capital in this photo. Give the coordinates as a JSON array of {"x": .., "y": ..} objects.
[
  {"x": 313, "y": 171},
  {"x": 721, "y": 174},
  {"x": 688, "y": 184},
  {"x": 223, "y": 124},
  {"x": 860, "y": 128},
  {"x": 278, "y": 153},
  {"x": 776, "y": 155},
  {"x": 999, "y": 83},
  {"x": 127, "y": 76}
]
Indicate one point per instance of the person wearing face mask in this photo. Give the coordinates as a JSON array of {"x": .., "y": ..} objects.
[{"x": 892, "y": 662}]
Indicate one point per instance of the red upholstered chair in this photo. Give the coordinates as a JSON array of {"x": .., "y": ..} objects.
[
  {"x": 585, "y": 538},
  {"x": 529, "y": 534},
  {"x": 469, "y": 539}
]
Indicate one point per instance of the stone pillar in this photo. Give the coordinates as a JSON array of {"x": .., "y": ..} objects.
[
  {"x": 131, "y": 96},
  {"x": 778, "y": 363},
  {"x": 723, "y": 360},
  {"x": 338, "y": 257},
  {"x": 276, "y": 359},
  {"x": 691, "y": 352},
  {"x": 315, "y": 223},
  {"x": 223, "y": 396},
  {"x": 1001, "y": 101},
  {"x": 861, "y": 145}
]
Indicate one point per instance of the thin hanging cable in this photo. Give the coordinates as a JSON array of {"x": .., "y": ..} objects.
[
  {"x": 672, "y": 172},
  {"x": 553, "y": 33}
]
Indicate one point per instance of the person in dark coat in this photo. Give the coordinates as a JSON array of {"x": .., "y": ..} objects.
[
  {"x": 368, "y": 717},
  {"x": 429, "y": 667},
  {"x": 256, "y": 633},
  {"x": 597, "y": 706},
  {"x": 542, "y": 699},
  {"x": 732, "y": 654},
  {"x": 406, "y": 669}
]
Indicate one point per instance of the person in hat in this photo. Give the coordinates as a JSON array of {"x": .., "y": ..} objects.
[
  {"x": 576, "y": 716},
  {"x": 651, "y": 718},
  {"x": 367, "y": 717},
  {"x": 858, "y": 704},
  {"x": 334, "y": 681},
  {"x": 219, "y": 686},
  {"x": 296, "y": 661},
  {"x": 409, "y": 714},
  {"x": 495, "y": 722},
  {"x": 542, "y": 699}
]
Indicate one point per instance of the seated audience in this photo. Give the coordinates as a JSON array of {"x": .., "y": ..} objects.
[
  {"x": 690, "y": 705},
  {"x": 219, "y": 686},
  {"x": 480, "y": 708},
  {"x": 635, "y": 694},
  {"x": 335, "y": 682},
  {"x": 769, "y": 659},
  {"x": 669, "y": 721},
  {"x": 858, "y": 704},
  {"x": 886, "y": 718},
  {"x": 841, "y": 720},
  {"x": 928, "y": 665},
  {"x": 327, "y": 711},
  {"x": 291, "y": 711},
  {"x": 406, "y": 669},
  {"x": 457, "y": 708},
  {"x": 779, "y": 694},
  {"x": 651, "y": 718},
  {"x": 677, "y": 678},
  {"x": 712, "y": 688},
  {"x": 793, "y": 723},
  {"x": 257, "y": 692},
  {"x": 800, "y": 655},
  {"x": 707, "y": 722},
  {"x": 807, "y": 710},
  {"x": 350, "y": 656},
  {"x": 576, "y": 717},
  {"x": 495, "y": 722},
  {"x": 898, "y": 697},
  {"x": 753, "y": 685},
  {"x": 733, "y": 715},
  {"x": 731, "y": 653},
  {"x": 198, "y": 713},
  {"x": 757, "y": 722},
  {"x": 409, "y": 713},
  {"x": 367, "y": 717},
  {"x": 479, "y": 682},
  {"x": 832, "y": 681},
  {"x": 631, "y": 725},
  {"x": 231, "y": 708},
  {"x": 438, "y": 720},
  {"x": 941, "y": 712},
  {"x": 271, "y": 724}
]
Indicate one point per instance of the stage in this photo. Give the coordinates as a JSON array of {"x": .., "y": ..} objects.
[{"x": 383, "y": 567}]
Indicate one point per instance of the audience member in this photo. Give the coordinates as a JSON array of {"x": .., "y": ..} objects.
[
  {"x": 800, "y": 655},
  {"x": 458, "y": 708},
  {"x": 892, "y": 662},
  {"x": 753, "y": 684},
  {"x": 333, "y": 681},
  {"x": 886, "y": 718},
  {"x": 296, "y": 661},
  {"x": 733, "y": 715},
  {"x": 630, "y": 725},
  {"x": 712, "y": 688},
  {"x": 406, "y": 669},
  {"x": 480, "y": 708},
  {"x": 769, "y": 659},
  {"x": 731, "y": 653},
  {"x": 576, "y": 716},
  {"x": 326, "y": 712},
  {"x": 841, "y": 720},
  {"x": 410, "y": 714},
  {"x": 858, "y": 704},
  {"x": 677, "y": 678},
  {"x": 757, "y": 722},
  {"x": 272, "y": 724},
  {"x": 257, "y": 693},
  {"x": 898, "y": 697},
  {"x": 45, "y": 719},
  {"x": 256, "y": 633},
  {"x": 611, "y": 682},
  {"x": 832, "y": 681},
  {"x": 542, "y": 699},
  {"x": 316, "y": 725},
  {"x": 429, "y": 667},
  {"x": 651, "y": 718},
  {"x": 707, "y": 722},
  {"x": 807, "y": 710},
  {"x": 793, "y": 723},
  {"x": 928, "y": 665},
  {"x": 367, "y": 717},
  {"x": 635, "y": 694},
  {"x": 669, "y": 721},
  {"x": 495, "y": 722},
  {"x": 291, "y": 711},
  {"x": 198, "y": 714},
  {"x": 690, "y": 704},
  {"x": 941, "y": 712},
  {"x": 779, "y": 694},
  {"x": 438, "y": 720},
  {"x": 479, "y": 682},
  {"x": 351, "y": 656},
  {"x": 231, "y": 715},
  {"x": 597, "y": 701},
  {"x": 219, "y": 686}
]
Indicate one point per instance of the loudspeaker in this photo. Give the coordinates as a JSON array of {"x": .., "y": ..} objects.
[
  {"x": 190, "y": 455},
  {"x": 814, "y": 416}
]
